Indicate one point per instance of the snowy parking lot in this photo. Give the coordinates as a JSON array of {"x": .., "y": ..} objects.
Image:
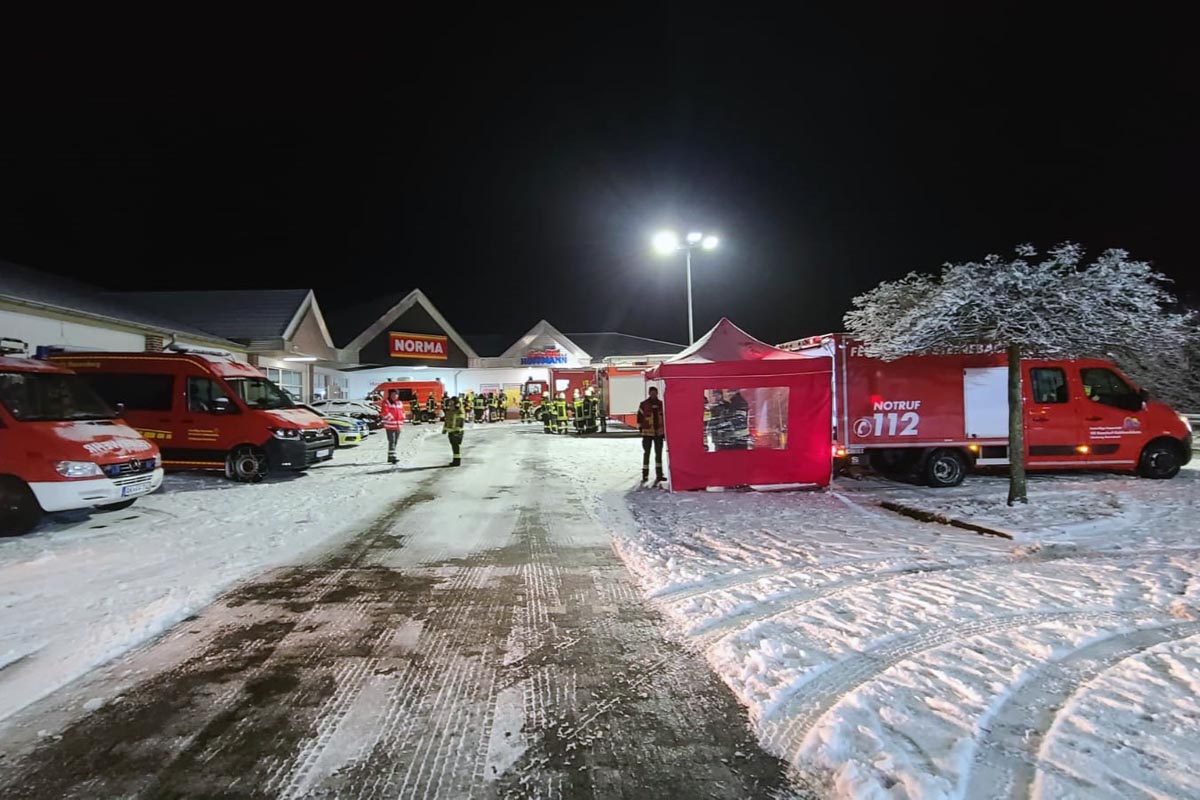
[
  {"x": 884, "y": 657},
  {"x": 877, "y": 655},
  {"x": 86, "y": 587}
]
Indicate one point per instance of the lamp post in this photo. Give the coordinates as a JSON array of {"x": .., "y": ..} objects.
[{"x": 666, "y": 243}]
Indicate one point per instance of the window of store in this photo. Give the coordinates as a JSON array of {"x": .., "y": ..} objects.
[{"x": 290, "y": 380}]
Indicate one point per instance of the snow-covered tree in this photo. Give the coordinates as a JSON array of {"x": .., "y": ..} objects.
[{"x": 1030, "y": 305}]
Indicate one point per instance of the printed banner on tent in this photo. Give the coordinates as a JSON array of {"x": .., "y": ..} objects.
[{"x": 417, "y": 345}]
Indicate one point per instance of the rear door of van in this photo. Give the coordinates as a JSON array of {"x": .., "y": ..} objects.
[{"x": 1053, "y": 435}]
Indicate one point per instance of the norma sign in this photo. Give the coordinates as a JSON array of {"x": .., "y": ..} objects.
[
  {"x": 416, "y": 345},
  {"x": 543, "y": 357}
]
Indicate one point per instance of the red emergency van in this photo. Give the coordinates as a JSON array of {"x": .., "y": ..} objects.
[
  {"x": 64, "y": 448},
  {"x": 207, "y": 411},
  {"x": 937, "y": 417},
  {"x": 410, "y": 390}
]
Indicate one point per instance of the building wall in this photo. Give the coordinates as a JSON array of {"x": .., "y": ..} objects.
[
  {"x": 309, "y": 340},
  {"x": 415, "y": 320}
]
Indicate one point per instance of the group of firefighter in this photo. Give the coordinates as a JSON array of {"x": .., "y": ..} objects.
[
  {"x": 557, "y": 415},
  {"x": 476, "y": 406}
]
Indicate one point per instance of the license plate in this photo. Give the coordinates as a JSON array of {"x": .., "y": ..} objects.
[
  {"x": 135, "y": 489},
  {"x": 322, "y": 453}
]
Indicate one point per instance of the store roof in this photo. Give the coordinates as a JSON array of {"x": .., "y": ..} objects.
[
  {"x": 346, "y": 322},
  {"x": 243, "y": 315},
  {"x": 604, "y": 345},
  {"x": 28, "y": 286}
]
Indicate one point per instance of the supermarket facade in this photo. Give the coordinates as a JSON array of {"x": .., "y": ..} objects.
[{"x": 314, "y": 354}]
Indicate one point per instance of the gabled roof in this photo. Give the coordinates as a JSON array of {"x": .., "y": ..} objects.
[
  {"x": 243, "y": 315},
  {"x": 606, "y": 345},
  {"x": 385, "y": 319},
  {"x": 544, "y": 328},
  {"x": 37, "y": 289},
  {"x": 728, "y": 342}
]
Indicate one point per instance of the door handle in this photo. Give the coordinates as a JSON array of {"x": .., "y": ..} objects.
[{"x": 1093, "y": 419}]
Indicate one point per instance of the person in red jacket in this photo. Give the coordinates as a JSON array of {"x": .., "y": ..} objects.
[
  {"x": 653, "y": 430},
  {"x": 392, "y": 410}
]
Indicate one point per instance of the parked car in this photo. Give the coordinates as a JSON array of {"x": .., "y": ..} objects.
[
  {"x": 207, "y": 411},
  {"x": 64, "y": 448},
  {"x": 358, "y": 409},
  {"x": 349, "y": 431}
]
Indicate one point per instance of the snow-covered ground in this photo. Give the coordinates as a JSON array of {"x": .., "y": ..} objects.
[
  {"x": 881, "y": 656},
  {"x": 885, "y": 657},
  {"x": 86, "y": 587}
]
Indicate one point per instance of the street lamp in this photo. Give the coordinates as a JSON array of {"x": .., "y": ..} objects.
[{"x": 667, "y": 242}]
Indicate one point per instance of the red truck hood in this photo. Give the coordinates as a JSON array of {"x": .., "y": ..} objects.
[
  {"x": 297, "y": 418},
  {"x": 103, "y": 441}
]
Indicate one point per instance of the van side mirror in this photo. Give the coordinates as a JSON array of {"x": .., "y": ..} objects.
[
  {"x": 120, "y": 409},
  {"x": 1145, "y": 395},
  {"x": 221, "y": 405}
]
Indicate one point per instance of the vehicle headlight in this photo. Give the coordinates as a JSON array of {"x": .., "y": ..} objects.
[
  {"x": 1187, "y": 423},
  {"x": 77, "y": 469},
  {"x": 285, "y": 433}
]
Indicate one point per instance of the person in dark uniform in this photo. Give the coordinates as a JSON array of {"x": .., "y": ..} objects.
[
  {"x": 652, "y": 426},
  {"x": 452, "y": 426},
  {"x": 479, "y": 406}
]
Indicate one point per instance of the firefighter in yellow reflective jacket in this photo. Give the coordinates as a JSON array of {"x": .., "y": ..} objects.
[
  {"x": 452, "y": 426},
  {"x": 560, "y": 413},
  {"x": 479, "y": 406}
]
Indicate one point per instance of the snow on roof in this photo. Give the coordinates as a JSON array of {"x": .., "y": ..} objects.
[{"x": 243, "y": 315}]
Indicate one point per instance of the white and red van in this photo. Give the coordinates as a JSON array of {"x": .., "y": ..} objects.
[
  {"x": 207, "y": 411},
  {"x": 62, "y": 447},
  {"x": 937, "y": 417}
]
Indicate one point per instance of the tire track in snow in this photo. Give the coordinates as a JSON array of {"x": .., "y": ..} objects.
[
  {"x": 1008, "y": 756},
  {"x": 809, "y": 699},
  {"x": 710, "y": 633}
]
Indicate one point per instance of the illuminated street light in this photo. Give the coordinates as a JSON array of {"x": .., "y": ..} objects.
[{"x": 667, "y": 242}]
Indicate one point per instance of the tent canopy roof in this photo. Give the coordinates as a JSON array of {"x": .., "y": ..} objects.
[{"x": 727, "y": 344}]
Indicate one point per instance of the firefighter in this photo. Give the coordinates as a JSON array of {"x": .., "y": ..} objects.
[
  {"x": 653, "y": 431},
  {"x": 452, "y": 426},
  {"x": 526, "y": 408},
  {"x": 430, "y": 408},
  {"x": 577, "y": 410},
  {"x": 392, "y": 411},
  {"x": 414, "y": 410},
  {"x": 591, "y": 406},
  {"x": 501, "y": 406},
  {"x": 468, "y": 408},
  {"x": 478, "y": 407},
  {"x": 560, "y": 413},
  {"x": 543, "y": 413}
]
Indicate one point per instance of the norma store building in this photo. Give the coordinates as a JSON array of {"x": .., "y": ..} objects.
[{"x": 315, "y": 355}]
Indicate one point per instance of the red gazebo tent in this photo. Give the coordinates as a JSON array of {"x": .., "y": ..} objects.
[{"x": 741, "y": 412}]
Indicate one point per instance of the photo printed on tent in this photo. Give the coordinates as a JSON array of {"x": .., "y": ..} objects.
[{"x": 745, "y": 419}]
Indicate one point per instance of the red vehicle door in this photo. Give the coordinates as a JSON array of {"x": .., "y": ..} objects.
[
  {"x": 1053, "y": 437},
  {"x": 1113, "y": 420}
]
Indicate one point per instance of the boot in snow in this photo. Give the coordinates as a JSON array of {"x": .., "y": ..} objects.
[
  {"x": 659, "y": 477},
  {"x": 392, "y": 459},
  {"x": 645, "y": 475}
]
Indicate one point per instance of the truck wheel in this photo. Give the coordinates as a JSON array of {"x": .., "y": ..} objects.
[
  {"x": 19, "y": 509},
  {"x": 945, "y": 468},
  {"x": 246, "y": 464},
  {"x": 1160, "y": 460},
  {"x": 118, "y": 506}
]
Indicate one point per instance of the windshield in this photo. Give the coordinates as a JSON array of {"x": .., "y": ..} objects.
[
  {"x": 42, "y": 396},
  {"x": 260, "y": 393}
]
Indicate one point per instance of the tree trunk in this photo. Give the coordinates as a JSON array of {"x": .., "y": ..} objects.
[{"x": 1016, "y": 429}]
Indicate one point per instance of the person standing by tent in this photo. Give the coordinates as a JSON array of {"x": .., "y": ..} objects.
[
  {"x": 452, "y": 426},
  {"x": 392, "y": 411},
  {"x": 653, "y": 429}
]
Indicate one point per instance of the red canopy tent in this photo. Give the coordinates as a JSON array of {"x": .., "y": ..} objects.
[{"x": 741, "y": 412}]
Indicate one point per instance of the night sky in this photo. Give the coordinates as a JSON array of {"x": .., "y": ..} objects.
[{"x": 514, "y": 166}]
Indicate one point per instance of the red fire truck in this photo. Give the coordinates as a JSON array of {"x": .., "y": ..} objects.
[{"x": 937, "y": 417}]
